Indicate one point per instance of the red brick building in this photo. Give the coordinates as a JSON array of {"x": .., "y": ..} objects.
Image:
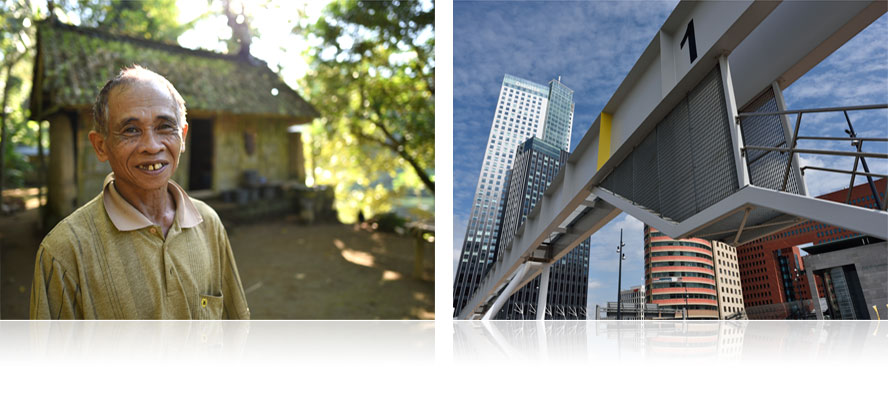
[{"x": 771, "y": 271}]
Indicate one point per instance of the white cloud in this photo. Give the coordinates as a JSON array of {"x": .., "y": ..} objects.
[
  {"x": 538, "y": 41},
  {"x": 855, "y": 74}
]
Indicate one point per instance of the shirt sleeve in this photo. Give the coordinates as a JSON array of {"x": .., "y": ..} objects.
[
  {"x": 235, "y": 301},
  {"x": 54, "y": 290}
]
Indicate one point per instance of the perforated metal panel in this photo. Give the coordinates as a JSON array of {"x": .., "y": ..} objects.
[
  {"x": 715, "y": 172},
  {"x": 686, "y": 164},
  {"x": 646, "y": 178},
  {"x": 623, "y": 179},
  {"x": 676, "y": 164},
  {"x": 766, "y": 169}
]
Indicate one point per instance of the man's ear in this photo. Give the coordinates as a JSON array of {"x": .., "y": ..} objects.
[
  {"x": 98, "y": 143},
  {"x": 184, "y": 135}
]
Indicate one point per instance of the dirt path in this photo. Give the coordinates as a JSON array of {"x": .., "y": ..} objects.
[
  {"x": 330, "y": 272},
  {"x": 19, "y": 239},
  {"x": 289, "y": 271}
]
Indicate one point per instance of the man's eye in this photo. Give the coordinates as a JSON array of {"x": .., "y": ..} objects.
[
  {"x": 166, "y": 127},
  {"x": 131, "y": 130}
]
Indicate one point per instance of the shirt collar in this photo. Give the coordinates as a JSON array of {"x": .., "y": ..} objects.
[{"x": 127, "y": 218}]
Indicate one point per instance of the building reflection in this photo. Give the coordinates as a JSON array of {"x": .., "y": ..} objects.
[{"x": 577, "y": 341}]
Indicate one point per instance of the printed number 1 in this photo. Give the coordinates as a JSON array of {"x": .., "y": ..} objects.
[{"x": 692, "y": 42}]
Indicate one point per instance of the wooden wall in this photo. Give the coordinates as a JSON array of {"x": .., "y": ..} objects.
[{"x": 270, "y": 157}]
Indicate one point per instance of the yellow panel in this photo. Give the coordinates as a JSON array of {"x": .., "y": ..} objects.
[{"x": 604, "y": 139}]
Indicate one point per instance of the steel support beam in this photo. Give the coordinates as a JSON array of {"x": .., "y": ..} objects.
[
  {"x": 513, "y": 283},
  {"x": 544, "y": 293},
  {"x": 734, "y": 123},
  {"x": 859, "y": 219},
  {"x": 583, "y": 227},
  {"x": 530, "y": 273},
  {"x": 784, "y": 121}
]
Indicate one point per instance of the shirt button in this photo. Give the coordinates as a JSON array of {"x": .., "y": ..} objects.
[{"x": 153, "y": 230}]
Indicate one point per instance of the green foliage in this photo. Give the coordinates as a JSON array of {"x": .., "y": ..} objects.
[
  {"x": 372, "y": 79},
  {"x": 16, "y": 39},
  {"x": 15, "y": 167},
  {"x": 154, "y": 20}
]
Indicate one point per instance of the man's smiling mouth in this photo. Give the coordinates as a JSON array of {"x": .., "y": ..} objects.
[{"x": 151, "y": 166}]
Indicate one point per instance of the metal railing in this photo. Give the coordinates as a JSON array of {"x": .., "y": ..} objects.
[{"x": 859, "y": 155}]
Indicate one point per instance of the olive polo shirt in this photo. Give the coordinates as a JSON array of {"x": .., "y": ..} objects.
[{"x": 108, "y": 261}]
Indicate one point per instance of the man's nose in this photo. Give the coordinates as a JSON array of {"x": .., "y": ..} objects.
[{"x": 151, "y": 142}]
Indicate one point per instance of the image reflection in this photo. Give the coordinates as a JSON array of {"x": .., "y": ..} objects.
[
  {"x": 317, "y": 342},
  {"x": 581, "y": 341}
]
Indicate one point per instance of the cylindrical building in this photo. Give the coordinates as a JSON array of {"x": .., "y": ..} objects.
[{"x": 680, "y": 274}]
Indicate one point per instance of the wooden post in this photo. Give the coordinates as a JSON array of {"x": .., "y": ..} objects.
[
  {"x": 296, "y": 158},
  {"x": 4, "y": 139},
  {"x": 61, "y": 184}
]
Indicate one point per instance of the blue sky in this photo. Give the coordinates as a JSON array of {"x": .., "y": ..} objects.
[{"x": 592, "y": 45}]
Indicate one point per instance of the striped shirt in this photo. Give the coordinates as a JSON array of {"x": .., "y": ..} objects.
[{"x": 108, "y": 261}]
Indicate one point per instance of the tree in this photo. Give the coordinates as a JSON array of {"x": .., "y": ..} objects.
[
  {"x": 239, "y": 22},
  {"x": 154, "y": 20},
  {"x": 15, "y": 44},
  {"x": 373, "y": 80},
  {"x": 157, "y": 20}
]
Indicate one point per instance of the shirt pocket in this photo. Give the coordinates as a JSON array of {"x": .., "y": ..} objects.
[{"x": 211, "y": 307}]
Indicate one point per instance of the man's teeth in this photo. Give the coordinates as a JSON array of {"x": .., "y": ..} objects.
[{"x": 151, "y": 167}]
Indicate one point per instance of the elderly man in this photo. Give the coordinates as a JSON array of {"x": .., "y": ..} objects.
[{"x": 141, "y": 249}]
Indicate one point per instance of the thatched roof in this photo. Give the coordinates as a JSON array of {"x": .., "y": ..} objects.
[{"x": 73, "y": 63}]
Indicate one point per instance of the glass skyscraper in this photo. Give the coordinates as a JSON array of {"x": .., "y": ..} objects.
[
  {"x": 524, "y": 110},
  {"x": 536, "y": 164}
]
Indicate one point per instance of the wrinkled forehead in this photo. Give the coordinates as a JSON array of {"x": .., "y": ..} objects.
[{"x": 140, "y": 98}]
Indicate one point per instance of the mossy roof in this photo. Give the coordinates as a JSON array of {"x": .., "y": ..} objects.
[{"x": 75, "y": 62}]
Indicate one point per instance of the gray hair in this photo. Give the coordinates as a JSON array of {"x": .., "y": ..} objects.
[{"x": 125, "y": 78}]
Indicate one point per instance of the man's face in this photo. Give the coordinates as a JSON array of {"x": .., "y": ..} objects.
[{"x": 144, "y": 140}]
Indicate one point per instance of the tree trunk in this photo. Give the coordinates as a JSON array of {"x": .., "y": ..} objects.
[
  {"x": 398, "y": 146},
  {"x": 41, "y": 174},
  {"x": 3, "y": 134},
  {"x": 240, "y": 31},
  {"x": 419, "y": 171}
]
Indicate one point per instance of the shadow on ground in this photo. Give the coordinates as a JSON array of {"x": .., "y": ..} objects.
[{"x": 331, "y": 272}]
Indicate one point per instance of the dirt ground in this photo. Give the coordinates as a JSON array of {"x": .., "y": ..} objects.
[{"x": 289, "y": 271}]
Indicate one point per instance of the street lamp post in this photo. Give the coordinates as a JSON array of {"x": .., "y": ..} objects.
[
  {"x": 685, "y": 284},
  {"x": 621, "y": 257}
]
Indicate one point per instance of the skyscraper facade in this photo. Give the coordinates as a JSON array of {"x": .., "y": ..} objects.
[
  {"x": 524, "y": 110},
  {"x": 536, "y": 165}
]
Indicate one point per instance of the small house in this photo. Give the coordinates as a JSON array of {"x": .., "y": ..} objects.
[{"x": 240, "y": 113}]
